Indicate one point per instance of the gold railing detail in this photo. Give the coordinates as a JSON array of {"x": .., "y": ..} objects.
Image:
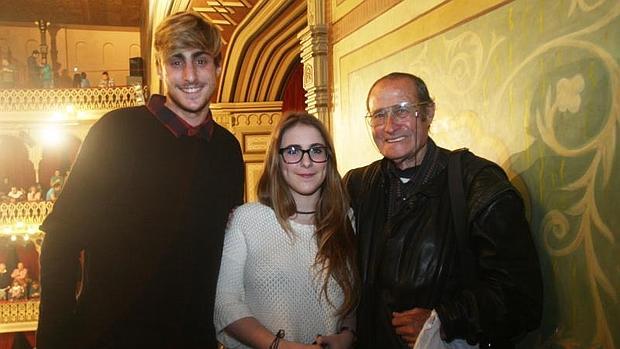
[
  {"x": 14, "y": 100},
  {"x": 25, "y": 212},
  {"x": 19, "y": 316},
  {"x": 19, "y": 311}
]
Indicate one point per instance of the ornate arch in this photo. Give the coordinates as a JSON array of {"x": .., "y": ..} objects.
[{"x": 262, "y": 51}]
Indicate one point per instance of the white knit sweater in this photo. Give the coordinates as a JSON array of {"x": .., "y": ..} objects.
[{"x": 268, "y": 275}]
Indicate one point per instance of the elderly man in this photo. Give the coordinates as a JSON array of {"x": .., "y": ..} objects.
[{"x": 409, "y": 255}]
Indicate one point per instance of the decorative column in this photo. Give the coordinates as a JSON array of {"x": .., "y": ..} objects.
[
  {"x": 43, "y": 25},
  {"x": 314, "y": 58},
  {"x": 53, "y": 30},
  {"x": 35, "y": 155}
]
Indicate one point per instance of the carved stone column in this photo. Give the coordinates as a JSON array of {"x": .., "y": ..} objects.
[
  {"x": 314, "y": 58},
  {"x": 35, "y": 155},
  {"x": 53, "y": 31}
]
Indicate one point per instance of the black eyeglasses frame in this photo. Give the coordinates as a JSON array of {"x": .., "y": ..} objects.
[{"x": 304, "y": 152}]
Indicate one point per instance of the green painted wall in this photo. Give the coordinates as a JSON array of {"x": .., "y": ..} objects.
[
  {"x": 535, "y": 86},
  {"x": 539, "y": 81}
]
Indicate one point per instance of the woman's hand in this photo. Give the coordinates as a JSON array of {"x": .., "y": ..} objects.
[{"x": 342, "y": 340}]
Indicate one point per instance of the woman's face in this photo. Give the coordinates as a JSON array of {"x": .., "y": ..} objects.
[{"x": 305, "y": 177}]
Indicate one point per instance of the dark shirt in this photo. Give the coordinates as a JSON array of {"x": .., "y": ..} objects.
[
  {"x": 408, "y": 252},
  {"x": 33, "y": 67},
  {"x": 149, "y": 211},
  {"x": 5, "y": 279}
]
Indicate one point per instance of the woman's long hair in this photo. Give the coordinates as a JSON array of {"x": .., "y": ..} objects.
[{"x": 336, "y": 255}]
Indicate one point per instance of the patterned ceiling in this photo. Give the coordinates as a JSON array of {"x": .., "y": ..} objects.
[
  {"x": 225, "y": 14},
  {"x": 73, "y": 12}
]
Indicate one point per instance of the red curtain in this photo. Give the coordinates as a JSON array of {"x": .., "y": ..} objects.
[
  {"x": 19, "y": 340},
  {"x": 6, "y": 340},
  {"x": 294, "y": 95}
]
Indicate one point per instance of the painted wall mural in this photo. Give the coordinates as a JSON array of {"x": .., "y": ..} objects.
[{"x": 534, "y": 86}]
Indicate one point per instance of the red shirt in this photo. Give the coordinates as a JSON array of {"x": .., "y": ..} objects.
[{"x": 175, "y": 123}]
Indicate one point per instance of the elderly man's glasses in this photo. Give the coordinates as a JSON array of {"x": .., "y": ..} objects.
[
  {"x": 293, "y": 154},
  {"x": 400, "y": 113}
]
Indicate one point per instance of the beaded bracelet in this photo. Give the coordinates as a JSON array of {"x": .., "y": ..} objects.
[{"x": 276, "y": 341}]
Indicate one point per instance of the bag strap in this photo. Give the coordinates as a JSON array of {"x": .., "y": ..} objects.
[{"x": 459, "y": 217}]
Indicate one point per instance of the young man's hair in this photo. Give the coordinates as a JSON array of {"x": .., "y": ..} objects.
[
  {"x": 187, "y": 30},
  {"x": 334, "y": 234}
]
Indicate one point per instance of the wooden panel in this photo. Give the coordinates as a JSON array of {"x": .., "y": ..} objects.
[{"x": 253, "y": 171}]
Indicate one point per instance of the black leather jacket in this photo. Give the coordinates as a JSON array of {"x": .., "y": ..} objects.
[{"x": 409, "y": 259}]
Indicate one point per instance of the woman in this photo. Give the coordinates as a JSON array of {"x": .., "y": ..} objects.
[
  {"x": 33, "y": 194},
  {"x": 288, "y": 260}
]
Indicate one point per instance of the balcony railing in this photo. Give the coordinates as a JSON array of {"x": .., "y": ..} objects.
[
  {"x": 28, "y": 213},
  {"x": 19, "y": 316},
  {"x": 20, "y": 221},
  {"x": 14, "y": 100}
]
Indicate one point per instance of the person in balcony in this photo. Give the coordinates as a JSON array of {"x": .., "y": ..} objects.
[
  {"x": 5, "y": 281},
  {"x": 77, "y": 79},
  {"x": 15, "y": 195},
  {"x": 64, "y": 80},
  {"x": 57, "y": 177},
  {"x": 33, "y": 194},
  {"x": 17, "y": 291},
  {"x": 8, "y": 73},
  {"x": 106, "y": 80},
  {"x": 47, "y": 76},
  {"x": 34, "y": 70},
  {"x": 84, "y": 82},
  {"x": 20, "y": 274},
  {"x": 35, "y": 289},
  {"x": 54, "y": 192},
  {"x": 146, "y": 205}
]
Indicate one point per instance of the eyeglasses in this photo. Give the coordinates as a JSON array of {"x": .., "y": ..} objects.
[
  {"x": 293, "y": 154},
  {"x": 400, "y": 112}
]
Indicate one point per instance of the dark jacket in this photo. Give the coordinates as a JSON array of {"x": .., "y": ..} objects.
[
  {"x": 408, "y": 258},
  {"x": 149, "y": 211}
]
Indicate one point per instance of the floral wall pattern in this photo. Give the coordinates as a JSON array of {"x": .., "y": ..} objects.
[{"x": 534, "y": 86}]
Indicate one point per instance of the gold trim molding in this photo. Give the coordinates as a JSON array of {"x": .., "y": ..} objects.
[
  {"x": 19, "y": 316},
  {"x": 15, "y": 100},
  {"x": 314, "y": 45},
  {"x": 25, "y": 212}
]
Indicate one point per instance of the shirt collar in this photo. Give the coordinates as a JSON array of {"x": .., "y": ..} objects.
[{"x": 175, "y": 123}]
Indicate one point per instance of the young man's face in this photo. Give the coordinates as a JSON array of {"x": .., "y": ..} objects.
[{"x": 190, "y": 77}]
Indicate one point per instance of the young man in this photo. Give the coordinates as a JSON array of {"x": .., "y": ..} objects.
[
  {"x": 34, "y": 70},
  {"x": 106, "y": 80},
  {"x": 408, "y": 249},
  {"x": 147, "y": 203}
]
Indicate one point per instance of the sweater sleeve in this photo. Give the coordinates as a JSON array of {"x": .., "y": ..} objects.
[
  {"x": 230, "y": 303},
  {"x": 74, "y": 215}
]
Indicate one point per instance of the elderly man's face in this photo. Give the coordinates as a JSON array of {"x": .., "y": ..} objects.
[{"x": 402, "y": 140}]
